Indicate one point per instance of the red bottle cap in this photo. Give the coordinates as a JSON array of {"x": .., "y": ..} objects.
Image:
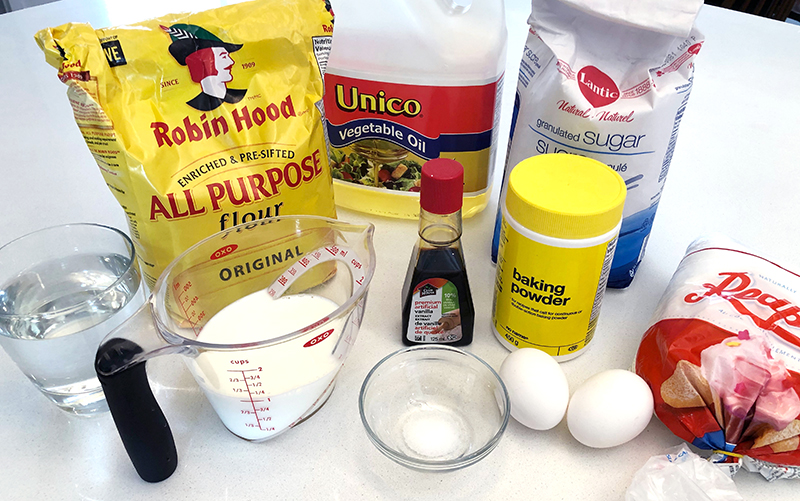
[{"x": 442, "y": 187}]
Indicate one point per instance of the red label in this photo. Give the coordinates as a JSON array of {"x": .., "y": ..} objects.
[
  {"x": 684, "y": 339},
  {"x": 597, "y": 87},
  {"x": 735, "y": 287},
  {"x": 435, "y": 282},
  {"x": 223, "y": 251},
  {"x": 430, "y": 110},
  {"x": 319, "y": 339}
]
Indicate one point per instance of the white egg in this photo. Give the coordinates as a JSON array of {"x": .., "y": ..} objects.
[
  {"x": 609, "y": 409},
  {"x": 537, "y": 388}
]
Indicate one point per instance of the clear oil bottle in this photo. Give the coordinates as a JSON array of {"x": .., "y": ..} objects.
[{"x": 408, "y": 82}]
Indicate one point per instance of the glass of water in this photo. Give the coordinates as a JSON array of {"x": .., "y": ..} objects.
[{"x": 62, "y": 289}]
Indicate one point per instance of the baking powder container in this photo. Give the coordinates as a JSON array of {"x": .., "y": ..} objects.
[{"x": 561, "y": 218}]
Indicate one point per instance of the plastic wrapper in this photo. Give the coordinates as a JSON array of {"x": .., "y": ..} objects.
[
  {"x": 200, "y": 122},
  {"x": 722, "y": 356},
  {"x": 681, "y": 474}
]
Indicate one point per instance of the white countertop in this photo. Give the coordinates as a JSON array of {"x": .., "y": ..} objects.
[{"x": 735, "y": 171}]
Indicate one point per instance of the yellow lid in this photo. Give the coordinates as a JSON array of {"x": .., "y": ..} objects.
[{"x": 565, "y": 196}]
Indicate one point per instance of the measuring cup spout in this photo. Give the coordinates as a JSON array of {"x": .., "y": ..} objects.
[{"x": 120, "y": 367}]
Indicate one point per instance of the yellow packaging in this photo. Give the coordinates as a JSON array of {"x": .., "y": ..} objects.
[
  {"x": 199, "y": 122},
  {"x": 560, "y": 223}
]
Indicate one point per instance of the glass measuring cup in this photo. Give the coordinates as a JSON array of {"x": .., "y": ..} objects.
[
  {"x": 62, "y": 290},
  {"x": 265, "y": 314}
]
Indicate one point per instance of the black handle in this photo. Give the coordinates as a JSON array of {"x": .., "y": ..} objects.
[{"x": 141, "y": 424}]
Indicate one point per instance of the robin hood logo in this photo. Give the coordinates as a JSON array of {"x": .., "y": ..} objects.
[{"x": 209, "y": 61}]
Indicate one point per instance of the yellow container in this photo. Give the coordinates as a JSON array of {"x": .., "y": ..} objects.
[
  {"x": 396, "y": 204},
  {"x": 561, "y": 217}
]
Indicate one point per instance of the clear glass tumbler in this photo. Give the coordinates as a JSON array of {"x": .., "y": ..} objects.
[{"x": 62, "y": 289}]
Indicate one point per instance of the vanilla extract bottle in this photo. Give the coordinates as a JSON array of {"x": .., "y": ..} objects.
[{"x": 437, "y": 302}]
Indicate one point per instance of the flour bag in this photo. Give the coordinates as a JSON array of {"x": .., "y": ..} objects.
[
  {"x": 608, "y": 80},
  {"x": 200, "y": 122}
]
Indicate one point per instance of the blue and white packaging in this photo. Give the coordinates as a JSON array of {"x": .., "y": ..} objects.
[{"x": 608, "y": 80}]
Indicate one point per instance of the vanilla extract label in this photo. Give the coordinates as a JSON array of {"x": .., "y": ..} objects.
[{"x": 434, "y": 315}]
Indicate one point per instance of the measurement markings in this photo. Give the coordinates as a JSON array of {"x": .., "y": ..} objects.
[
  {"x": 250, "y": 394},
  {"x": 180, "y": 295}
]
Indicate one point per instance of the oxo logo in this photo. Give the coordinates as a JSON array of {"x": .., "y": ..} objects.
[
  {"x": 597, "y": 87},
  {"x": 319, "y": 339}
]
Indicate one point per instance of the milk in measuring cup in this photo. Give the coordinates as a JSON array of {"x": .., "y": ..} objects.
[{"x": 261, "y": 392}]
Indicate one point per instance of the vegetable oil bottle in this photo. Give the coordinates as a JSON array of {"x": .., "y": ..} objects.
[{"x": 408, "y": 82}]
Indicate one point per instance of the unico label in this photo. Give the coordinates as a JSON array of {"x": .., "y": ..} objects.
[
  {"x": 381, "y": 133},
  {"x": 548, "y": 297}
]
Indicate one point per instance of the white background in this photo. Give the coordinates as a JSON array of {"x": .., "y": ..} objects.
[{"x": 734, "y": 171}]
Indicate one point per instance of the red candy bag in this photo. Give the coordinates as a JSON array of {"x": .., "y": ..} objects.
[{"x": 722, "y": 354}]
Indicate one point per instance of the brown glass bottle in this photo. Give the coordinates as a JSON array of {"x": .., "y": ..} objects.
[{"x": 437, "y": 302}]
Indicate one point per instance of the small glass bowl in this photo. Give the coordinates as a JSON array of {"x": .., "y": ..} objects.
[{"x": 434, "y": 408}]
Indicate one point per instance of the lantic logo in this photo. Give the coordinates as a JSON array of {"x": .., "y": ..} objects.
[
  {"x": 597, "y": 87},
  {"x": 209, "y": 61},
  {"x": 378, "y": 103},
  {"x": 736, "y": 289}
]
